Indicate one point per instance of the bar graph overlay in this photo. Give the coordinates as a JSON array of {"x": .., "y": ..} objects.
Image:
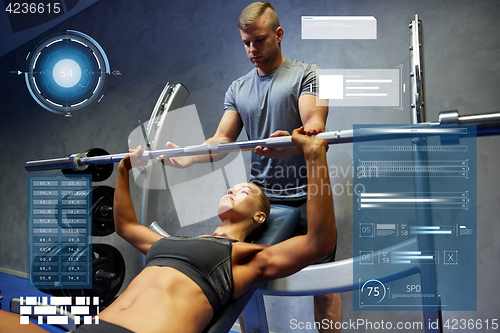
[{"x": 414, "y": 211}]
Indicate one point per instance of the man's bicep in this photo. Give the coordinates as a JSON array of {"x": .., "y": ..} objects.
[
  {"x": 229, "y": 128},
  {"x": 313, "y": 111}
]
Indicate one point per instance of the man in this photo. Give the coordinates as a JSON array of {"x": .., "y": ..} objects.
[{"x": 276, "y": 97}]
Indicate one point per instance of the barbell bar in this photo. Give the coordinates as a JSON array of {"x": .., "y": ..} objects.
[{"x": 487, "y": 124}]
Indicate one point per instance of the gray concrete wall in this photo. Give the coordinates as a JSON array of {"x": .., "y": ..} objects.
[{"x": 197, "y": 43}]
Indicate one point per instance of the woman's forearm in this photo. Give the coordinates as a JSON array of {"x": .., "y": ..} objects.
[
  {"x": 320, "y": 209},
  {"x": 123, "y": 208}
]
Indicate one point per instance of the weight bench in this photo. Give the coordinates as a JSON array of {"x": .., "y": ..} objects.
[{"x": 282, "y": 222}]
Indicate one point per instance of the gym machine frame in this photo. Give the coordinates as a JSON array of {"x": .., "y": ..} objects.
[{"x": 428, "y": 274}]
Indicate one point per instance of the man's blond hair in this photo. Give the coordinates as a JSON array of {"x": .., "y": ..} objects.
[{"x": 254, "y": 11}]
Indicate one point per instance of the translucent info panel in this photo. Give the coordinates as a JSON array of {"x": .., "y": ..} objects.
[
  {"x": 197, "y": 190},
  {"x": 361, "y": 87},
  {"x": 414, "y": 230},
  {"x": 59, "y": 231},
  {"x": 339, "y": 27}
]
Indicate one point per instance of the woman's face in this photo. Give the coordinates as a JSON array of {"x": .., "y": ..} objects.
[{"x": 242, "y": 199}]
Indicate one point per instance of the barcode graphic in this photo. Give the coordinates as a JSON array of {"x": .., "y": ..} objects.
[{"x": 57, "y": 310}]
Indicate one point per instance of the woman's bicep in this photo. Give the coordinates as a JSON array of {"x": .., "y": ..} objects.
[
  {"x": 140, "y": 237},
  {"x": 286, "y": 258}
]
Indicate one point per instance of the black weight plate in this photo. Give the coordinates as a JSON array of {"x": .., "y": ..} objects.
[
  {"x": 44, "y": 257},
  {"x": 76, "y": 258},
  {"x": 102, "y": 214},
  {"x": 108, "y": 259},
  {"x": 99, "y": 172}
]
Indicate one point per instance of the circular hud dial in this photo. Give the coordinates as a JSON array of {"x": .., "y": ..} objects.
[{"x": 67, "y": 72}]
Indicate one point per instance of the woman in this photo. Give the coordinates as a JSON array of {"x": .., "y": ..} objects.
[{"x": 172, "y": 296}]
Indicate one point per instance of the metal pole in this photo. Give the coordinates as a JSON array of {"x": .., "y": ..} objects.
[
  {"x": 428, "y": 275},
  {"x": 416, "y": 73}
]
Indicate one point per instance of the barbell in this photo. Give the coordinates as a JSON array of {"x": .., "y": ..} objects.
[{"x": 449, "y": 125}]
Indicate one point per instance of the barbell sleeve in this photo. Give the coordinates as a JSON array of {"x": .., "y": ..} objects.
[{"x": 57, "y": 163}]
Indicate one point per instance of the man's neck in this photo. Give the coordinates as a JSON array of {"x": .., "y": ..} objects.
[{"x": 280, "y": 60}]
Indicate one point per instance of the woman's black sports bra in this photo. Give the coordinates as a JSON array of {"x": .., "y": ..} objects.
[{"x": 205, "y": 260}]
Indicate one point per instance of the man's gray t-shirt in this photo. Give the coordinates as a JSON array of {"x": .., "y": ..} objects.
[{"x": 269, "y": 103}]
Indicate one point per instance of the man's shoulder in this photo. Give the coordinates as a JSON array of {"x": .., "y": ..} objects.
[
  {"x": 247, "y": 77},
  {"x": 241, "y": 84},
  {"x": 294, "y": 63}
]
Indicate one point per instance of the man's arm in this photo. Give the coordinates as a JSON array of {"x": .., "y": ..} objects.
[
  {"x": 229, "y": 128},
  {"x": 313, "y": 113}
]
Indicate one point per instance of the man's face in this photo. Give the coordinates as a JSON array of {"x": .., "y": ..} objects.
[{"x": 262, "y": 45}]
